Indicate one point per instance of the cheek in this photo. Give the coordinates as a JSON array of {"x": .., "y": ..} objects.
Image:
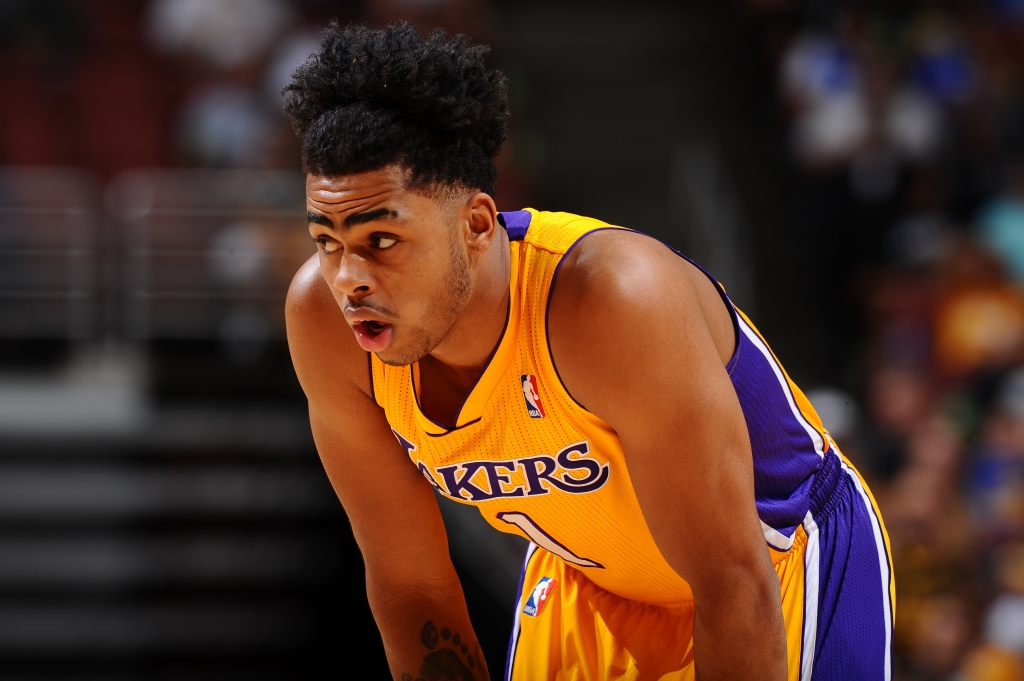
[
  {"x": 327, "y": 263},
  {"x": 328, "y": 269},
  {"x": 414, "y": 298},
  {"x": 415, "y": 295}
]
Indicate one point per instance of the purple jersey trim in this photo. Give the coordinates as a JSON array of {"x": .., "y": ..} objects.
[
  {"x": 515, "y": 222},
  {"x": 786, "y": 456},
  {"x": 467, "y": 424}
]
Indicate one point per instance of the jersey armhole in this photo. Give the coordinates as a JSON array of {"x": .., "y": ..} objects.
[
  {"x": 730, "y": 308},
  {"x": 547, "y": 311},
  {"x": 734, "y": 316}
]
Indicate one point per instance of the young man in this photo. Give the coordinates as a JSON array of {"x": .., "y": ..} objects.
[{"x": 583, "y": 385}]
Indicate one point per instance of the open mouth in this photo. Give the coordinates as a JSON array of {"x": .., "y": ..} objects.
[{"x": 373, "y": 336}]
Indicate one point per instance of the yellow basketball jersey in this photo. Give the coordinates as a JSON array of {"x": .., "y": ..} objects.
[{"x": 533, "y": 461}]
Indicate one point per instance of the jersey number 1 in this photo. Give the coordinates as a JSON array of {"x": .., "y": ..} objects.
[{"x": 543, "y": 539}]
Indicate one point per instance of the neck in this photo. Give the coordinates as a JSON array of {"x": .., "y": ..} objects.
[{"x": 464, "y": 352}]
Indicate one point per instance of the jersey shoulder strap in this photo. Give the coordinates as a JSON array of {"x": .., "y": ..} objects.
[{"x": 552, "y": 232}]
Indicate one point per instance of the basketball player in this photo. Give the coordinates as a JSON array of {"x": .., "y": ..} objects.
[{"x": 581, "y": 384}]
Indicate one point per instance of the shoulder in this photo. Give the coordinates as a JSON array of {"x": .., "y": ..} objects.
[
  {"x": 623, "y": 300},
  {"x": 617, "y": 277},
  {"x": 619, "y": 262},
  {"x": 321, "y": 343}
]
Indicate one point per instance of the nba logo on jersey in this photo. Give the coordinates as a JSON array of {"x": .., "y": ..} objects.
[
  {"x": 539, "y": 596},
  {"x": 533, "y": 406}
]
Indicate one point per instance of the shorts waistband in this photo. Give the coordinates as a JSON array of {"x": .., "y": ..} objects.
[{"x": 823, "y": 489}]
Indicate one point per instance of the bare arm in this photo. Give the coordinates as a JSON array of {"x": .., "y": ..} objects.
[
  {"x": 652, "y": 326},
  {"x": 415, "y": 595}
]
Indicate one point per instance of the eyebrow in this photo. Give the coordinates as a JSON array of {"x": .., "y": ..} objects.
[
  {"x": 319, "y": 219},
  {"x": 354, "y": 219},
  {"x": 369, "y": 216}
]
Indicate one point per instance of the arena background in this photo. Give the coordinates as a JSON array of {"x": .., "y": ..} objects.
[{"x": 853, "y": 171}]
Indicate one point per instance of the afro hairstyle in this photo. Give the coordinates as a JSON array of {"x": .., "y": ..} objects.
[{"x": 372, "y": 98}]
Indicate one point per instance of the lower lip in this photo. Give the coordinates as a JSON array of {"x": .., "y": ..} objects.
[{"x": 373, "y": 342}]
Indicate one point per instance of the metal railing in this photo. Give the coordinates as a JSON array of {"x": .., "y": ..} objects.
[
  {"x": 50, "y": 256},
  {"x": 158, "y": 253}
]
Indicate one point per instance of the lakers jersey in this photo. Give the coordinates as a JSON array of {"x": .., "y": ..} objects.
[{"x": 537, "y": 464}]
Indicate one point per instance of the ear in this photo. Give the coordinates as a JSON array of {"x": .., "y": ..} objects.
[{"x": 482, "y": 219}]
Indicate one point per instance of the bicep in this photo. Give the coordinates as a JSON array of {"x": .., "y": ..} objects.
[
  {"x": 689, "y": 456},
  {"x": 662, "y": 386}
]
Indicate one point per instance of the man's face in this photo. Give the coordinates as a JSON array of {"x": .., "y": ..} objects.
[{"x": 394, "y": 259}]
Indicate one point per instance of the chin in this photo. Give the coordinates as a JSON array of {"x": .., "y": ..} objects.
[
  {"x": 391, "y": 359},
  {"x": 400, "y": 357},
  {"x": 412, "y": 343}
]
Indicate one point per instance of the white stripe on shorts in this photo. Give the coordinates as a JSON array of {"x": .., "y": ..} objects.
[
  {"x": 811, "y": 590},
  {"x": 516, "y": 624},
  {"x": 883, "y": 565}
]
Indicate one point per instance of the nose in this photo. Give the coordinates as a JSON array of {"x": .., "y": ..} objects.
[{"x": 353, "y": 278}]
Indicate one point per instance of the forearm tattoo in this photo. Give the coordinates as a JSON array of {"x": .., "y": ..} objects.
[{"x": 450, "y": 659}]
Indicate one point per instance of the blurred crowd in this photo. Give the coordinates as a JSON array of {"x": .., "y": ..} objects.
[
  {"x": 917, "y": 109},
  {"x": 115, "y": 84},
  {"x": 120, "y": 91}
]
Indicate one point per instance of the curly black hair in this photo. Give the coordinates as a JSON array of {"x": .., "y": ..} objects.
[{"x": 371, "y": 98}]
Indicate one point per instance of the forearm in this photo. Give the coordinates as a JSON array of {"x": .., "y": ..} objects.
[
  {"x": 426, "y": 630},
  {"x": 738, "y": 630}
]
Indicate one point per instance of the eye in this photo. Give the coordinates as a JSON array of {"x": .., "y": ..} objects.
[
  {"x": 326, "y": 244},
  {"x": 381, "y": 242}
]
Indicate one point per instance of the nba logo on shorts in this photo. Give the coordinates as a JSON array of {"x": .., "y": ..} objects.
[
  {"x": 539, "y": 596},
  {"x": 533, "y": 405}
]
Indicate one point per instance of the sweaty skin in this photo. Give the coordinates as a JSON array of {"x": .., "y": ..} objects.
[{"x": 416, "y": 275}]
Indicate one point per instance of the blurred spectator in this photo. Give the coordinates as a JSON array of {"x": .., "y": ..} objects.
[
  {"x": 999, "y": 655},
  {"x": 919, "y": 106},
  {"x": 996, "y": 480},
  {"x": 225, "y": 34},
  {"x": 913, "y": 124},
  {"x": 944, "y": 67},
  {"x": 848, "y": 109},
  {"x": 822, "y": 80},
  {"x": 1001, "y": 224},
  {"x": 940, "y": 633},
  {"x": 980, "y": 317},
  {"x": 991, "y": 663},
  {"x": 228, "y": 121},
  {"x": 289, "y": 54},
  {"x": 226, "y": 125},
  {"x": 920, "y": 239},
  {"x": 898, "y": 402},
  {"x": 838, "y": 411}
]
